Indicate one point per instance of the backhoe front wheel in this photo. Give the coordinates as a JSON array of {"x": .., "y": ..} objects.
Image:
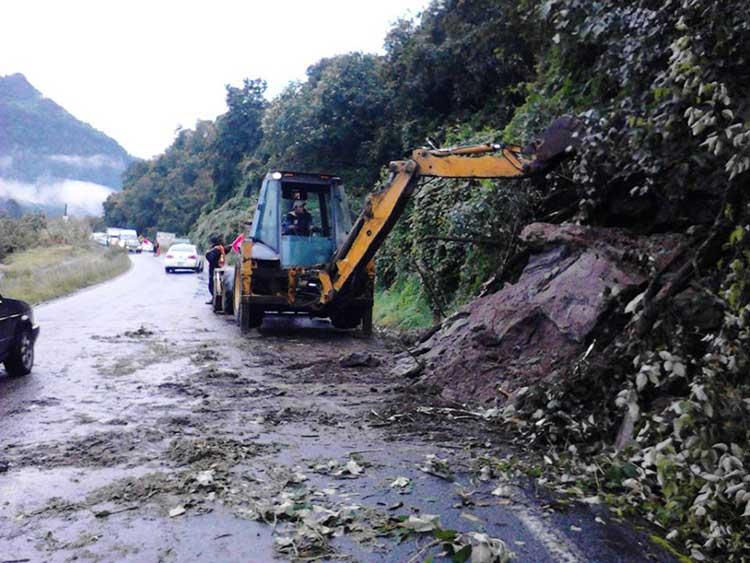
[
  {"x": 346, "y": 318},
  {"x": 367, "y": 321}
]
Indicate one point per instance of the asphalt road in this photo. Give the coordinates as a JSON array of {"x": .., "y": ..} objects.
[{"x": 150, "y": 430}]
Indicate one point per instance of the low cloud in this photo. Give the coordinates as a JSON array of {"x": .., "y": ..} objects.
[
  {"x": 83, "y": 198},
  {"x": 93, "y": 161}
]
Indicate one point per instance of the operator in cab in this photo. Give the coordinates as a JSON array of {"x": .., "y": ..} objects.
[{"x": 298, "y": 221}]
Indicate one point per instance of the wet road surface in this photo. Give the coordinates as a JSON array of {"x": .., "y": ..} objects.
[{"x": 151, "y": 430}]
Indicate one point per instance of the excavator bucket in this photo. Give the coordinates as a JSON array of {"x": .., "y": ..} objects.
[{"x": 558, "y": 142}]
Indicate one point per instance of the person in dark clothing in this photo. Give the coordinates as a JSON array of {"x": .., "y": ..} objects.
[
  {"x": 298, "y": 221},
  {"x": 216, "y": 258}
]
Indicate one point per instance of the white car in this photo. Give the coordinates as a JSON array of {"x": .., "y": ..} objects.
[
  {"x": 130, "y": 243},
  {"x": 147, "y": 246},
  {"x": 183, "y": 257}
]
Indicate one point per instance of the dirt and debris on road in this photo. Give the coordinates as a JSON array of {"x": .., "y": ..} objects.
[{"x": 151, "y": 430}]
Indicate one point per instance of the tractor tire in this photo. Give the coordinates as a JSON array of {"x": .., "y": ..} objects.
[
  {"x": 249, "y": 317},
  {"x": 346, "y": 318},
  {"x": 216, "y": 302},
  {"x": 367, "y": 321},
  {"x": 228, "y": 295},
  {"x": 21, "y": 358},
  {"x": 227, "y": 303}
]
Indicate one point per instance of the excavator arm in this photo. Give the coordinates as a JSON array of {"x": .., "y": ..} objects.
[{"x": 383, "y": 208}]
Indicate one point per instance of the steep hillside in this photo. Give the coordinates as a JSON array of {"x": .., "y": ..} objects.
[{"x": 47, "y": 156}]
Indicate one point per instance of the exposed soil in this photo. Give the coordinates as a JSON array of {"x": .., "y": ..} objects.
[{"x": 534, "y": 328}]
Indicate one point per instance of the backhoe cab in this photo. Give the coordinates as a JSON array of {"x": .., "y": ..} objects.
[
  {"x": 300, "y": 221},
  {"x": 301, "y": 254}
]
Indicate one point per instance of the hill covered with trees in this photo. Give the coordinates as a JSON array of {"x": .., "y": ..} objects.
[
  {"x": 659, "y": 90},
  {"x": 41, "y": 140}
]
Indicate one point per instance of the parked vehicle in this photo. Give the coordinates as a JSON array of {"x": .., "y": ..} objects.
[
  {"x": 129, "y": 240},
  {"x": 18, "y": 334},
  {"x": 147, "y": 246},
  {"x": 99, "y": 238},
  {"x": 113, "y": 236},
  {"x": 183, "y": 257}
]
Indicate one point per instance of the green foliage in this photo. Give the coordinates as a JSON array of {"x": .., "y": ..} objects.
[
  {"x": 457, "y": 234},
  {"x": 331, "y": 122},
  {"x": 463, "y": 63},
  {"x": 227, "y": 221},
  {"x": 238, "y": 133},
  {"x": 402, "y": 306},
  {"x": 20, "y": 234},
  {"x": 168, "y": 192}
]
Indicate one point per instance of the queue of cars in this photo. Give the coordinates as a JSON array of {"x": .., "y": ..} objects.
[
  {"x": 124, "y": 238},
  {"x": 181, "y": 253},
  {"x": 18, "y": 332}
]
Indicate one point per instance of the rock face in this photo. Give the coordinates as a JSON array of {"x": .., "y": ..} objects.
[{"x": 529, "y": 330}]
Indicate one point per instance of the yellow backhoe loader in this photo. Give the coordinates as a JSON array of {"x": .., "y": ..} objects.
[{"x": 302, "y": 255}]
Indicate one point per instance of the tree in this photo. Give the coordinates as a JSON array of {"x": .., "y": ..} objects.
[{"x": 238, "y": 133}]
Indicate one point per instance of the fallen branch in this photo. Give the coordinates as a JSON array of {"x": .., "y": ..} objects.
[{"x": 465, "y": 240}]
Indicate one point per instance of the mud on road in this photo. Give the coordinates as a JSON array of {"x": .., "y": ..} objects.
[{"x": 151, "y": 430}]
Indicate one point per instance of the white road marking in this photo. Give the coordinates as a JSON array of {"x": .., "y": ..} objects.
[{"x": 560, "y": 548}]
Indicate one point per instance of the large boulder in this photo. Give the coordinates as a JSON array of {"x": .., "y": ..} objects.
[{"x": 533, "y": 328}]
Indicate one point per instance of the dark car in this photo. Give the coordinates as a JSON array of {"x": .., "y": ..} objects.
[{"x": 17, "y": 336}]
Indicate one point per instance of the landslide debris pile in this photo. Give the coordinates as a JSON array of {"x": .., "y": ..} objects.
[{"x": 532, "y": 329}]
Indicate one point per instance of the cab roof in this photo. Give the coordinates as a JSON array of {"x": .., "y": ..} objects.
[{"x": 303, "y": 177}]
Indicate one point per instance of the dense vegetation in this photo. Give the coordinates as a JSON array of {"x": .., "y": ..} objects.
[
  {"x": 32, "y": 230},
  {"x": 660, "y": 90}
]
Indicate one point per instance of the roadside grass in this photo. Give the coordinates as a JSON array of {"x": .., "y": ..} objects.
[
  {"x": 402, "y": 306},
  {"x": 46, "y": 272}
]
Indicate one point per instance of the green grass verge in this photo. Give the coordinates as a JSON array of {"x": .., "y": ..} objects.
[
  {"x": 402, "y": 306},
  {"x": 43, "y": 273}
]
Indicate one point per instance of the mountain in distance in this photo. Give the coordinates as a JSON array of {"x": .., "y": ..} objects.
[{"x": 48, "y": 158}]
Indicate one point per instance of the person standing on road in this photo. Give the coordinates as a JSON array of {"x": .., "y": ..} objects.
[{"x": 216, "y": 258}]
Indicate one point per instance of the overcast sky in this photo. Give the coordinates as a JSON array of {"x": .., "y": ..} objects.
[{"x": 137, "y": 69}]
